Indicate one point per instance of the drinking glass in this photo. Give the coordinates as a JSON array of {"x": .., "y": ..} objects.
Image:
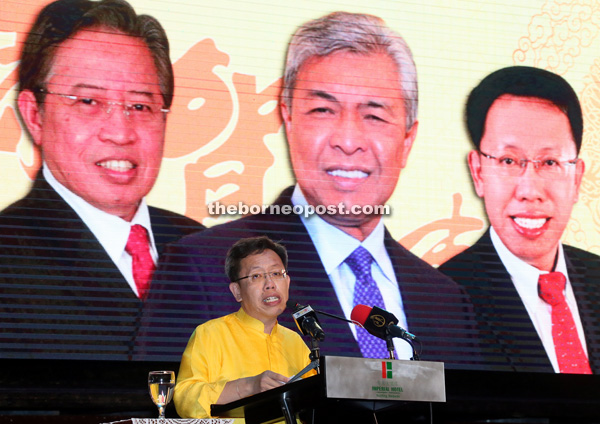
[{"x": 161, "y": 385}]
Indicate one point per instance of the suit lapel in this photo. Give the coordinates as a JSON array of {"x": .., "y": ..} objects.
[
  {"x": 72, "y": 249},
  {"x": 168, "y": 227},
  {"x": 67, "y": 285},
  {"x": 502, "y": 311},
  {"x": 583, "y": 276}
]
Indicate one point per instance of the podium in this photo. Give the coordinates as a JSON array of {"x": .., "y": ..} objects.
[{"x": 354, "y": 389}]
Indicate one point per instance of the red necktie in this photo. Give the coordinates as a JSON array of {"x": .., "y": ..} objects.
[
  {"x": 569, "y": 352},
  {"x": 143, "y": 266}
]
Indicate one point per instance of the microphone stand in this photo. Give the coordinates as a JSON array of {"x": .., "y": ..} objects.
[
  {"x": 416, "y": 356},
  {"x": 390, "y": 346},
  {"x": 315, "y": 353},
  {"x": 389, "y": 341}
]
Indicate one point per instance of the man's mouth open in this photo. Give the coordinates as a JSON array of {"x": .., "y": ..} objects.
[
  {"x": 530, "y": 227},
  {"x": 117, "y": 165},
  {"x": 530, "y": 223},
  {"x": 353, "y": 174},
  {"x": 271, "y": 300}
]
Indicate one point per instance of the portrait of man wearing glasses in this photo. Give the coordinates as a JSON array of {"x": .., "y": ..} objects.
[
  {"x": 78, "y": 251},
  {"x": 535, "y": 298}
]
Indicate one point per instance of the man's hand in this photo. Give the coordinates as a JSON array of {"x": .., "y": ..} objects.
[
  {"x": 244, "y": 387},
  {"x": 266, "y": 381}
]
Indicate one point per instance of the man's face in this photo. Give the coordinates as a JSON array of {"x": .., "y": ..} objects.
[
  {"x": 110, "y": 160},
  {"x": 529, "y": 211},
  {"x": 266, "y": 300},
  {"x": 347, "y": 132}
]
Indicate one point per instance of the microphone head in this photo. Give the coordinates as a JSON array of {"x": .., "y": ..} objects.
[
  {"x": 293, "y": 305},
  {"x": 375, "y": 320},
  {"x": 360, "y": 313}
]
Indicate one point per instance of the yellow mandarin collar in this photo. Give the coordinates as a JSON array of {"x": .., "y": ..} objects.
[{"x": 253, "y": 322}]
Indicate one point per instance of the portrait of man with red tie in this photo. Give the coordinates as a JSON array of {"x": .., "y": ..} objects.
[
  {"x": 534, "y": 296},
  {"x": 79, "y": 250}
]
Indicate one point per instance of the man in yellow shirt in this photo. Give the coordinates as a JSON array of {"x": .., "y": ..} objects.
[{"x": 246, "y": 352}]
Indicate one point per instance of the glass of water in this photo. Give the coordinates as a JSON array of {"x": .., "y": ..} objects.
[{"x": 161, "y": 385}]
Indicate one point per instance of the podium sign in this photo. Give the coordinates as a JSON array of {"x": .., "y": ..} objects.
[
  {"x": 381, "y": 379},
  {"x": 347, "y": 390}
]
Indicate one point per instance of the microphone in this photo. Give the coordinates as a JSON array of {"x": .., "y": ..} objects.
[
  {"x": 295, "y": 306},
  {"x": 379, "y": 322},
  {"x": 307, "y": 321}
]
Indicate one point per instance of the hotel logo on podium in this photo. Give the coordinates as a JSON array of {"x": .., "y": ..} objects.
[{"x": 362, "y": 378}]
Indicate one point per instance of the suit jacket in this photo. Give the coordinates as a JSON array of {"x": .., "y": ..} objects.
[
  {"x": 191, "y": 281},
  {"x": 60, "y": 291},
  {"x": 509, "y": 339}
]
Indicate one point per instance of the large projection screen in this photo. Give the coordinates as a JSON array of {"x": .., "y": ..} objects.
[{"x": 226, "y": 142}]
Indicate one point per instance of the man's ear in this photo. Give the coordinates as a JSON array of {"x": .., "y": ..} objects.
[
  {"x": 409, "y": 140},
  {"x": 474, "y": 160},
  {"x": 286, "y": 114},
  {"x": 32, "y": 115},
  {"x": 235, "y": 290},
  {"x": 579, "y": 171}
]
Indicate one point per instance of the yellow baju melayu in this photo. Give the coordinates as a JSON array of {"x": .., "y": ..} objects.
[{"x": 231, "y": 347}]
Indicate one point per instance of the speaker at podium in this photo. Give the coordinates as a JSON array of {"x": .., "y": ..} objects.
[{"x": 347, "y": 389}]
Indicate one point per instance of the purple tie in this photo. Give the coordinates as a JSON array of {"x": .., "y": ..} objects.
[{"x": 367, "y": 293}]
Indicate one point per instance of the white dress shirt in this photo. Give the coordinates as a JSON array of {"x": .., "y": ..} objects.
[
  {"x": 110, "y": 230},
  {"x": 334, "y": 246},
  {"x": 525, "y": 278}
]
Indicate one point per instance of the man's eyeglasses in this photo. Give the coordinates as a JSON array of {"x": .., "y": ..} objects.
[
  {"x": 261, "y": 277},
  {"x": 513, "y": 166},
  {"x": 96, "y": 107}
]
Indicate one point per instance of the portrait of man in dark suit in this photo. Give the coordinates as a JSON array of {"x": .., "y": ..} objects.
[
  {"x": 349, "y": 106},
  {"x": 78, "y": 251},
  {"x": 535, "y": 297}
]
